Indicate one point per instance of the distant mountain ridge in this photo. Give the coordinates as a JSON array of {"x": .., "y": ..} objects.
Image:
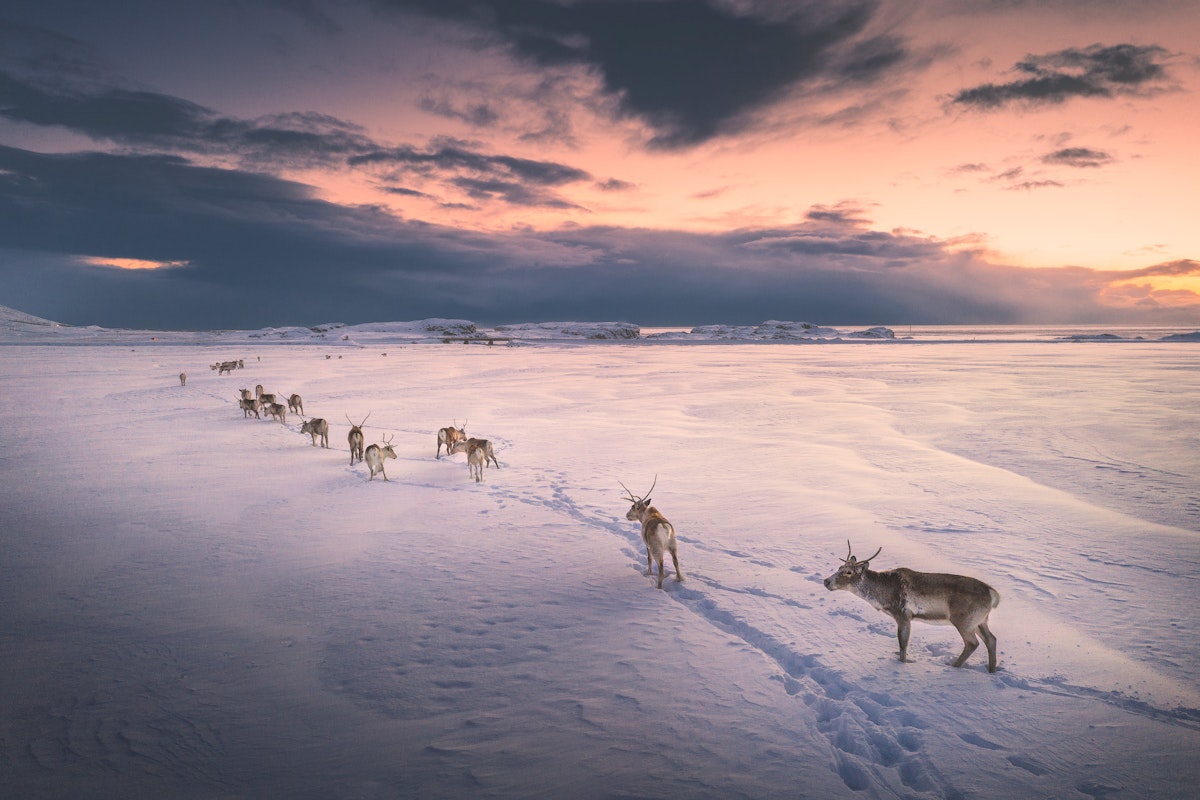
[{"x": 17, "y": 327}]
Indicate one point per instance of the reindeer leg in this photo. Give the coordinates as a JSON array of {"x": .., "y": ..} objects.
[
  {"x": 660, "y": 572},
  {"x": 970, "y": 642},
  {"x": 675, "y": 559},
  {"x": 903, "y": 628},
  {"x": 989, "y": 641}
]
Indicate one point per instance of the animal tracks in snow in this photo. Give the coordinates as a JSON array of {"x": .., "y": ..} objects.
[
  {"x": 874, "y": 741},
  {"x": 882, "y": 742}
]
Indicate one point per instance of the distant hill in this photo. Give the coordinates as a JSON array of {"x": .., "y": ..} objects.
[{"x": 15, "y": 322}]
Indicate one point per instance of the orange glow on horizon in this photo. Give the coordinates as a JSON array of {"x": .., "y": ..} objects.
[
  {"x": 130, "y": 263},
  {"x": 1167, "y": 289}
]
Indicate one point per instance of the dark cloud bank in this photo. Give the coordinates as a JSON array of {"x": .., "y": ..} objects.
[
  {"x": 257, "y": 250},
  {"x": 691, "y": 70}
]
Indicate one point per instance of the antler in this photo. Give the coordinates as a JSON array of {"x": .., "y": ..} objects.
[
  {"x": 849, "y": 559},
  {"x": 647, "y": 494},
  {"x": 626, "y": 488}
]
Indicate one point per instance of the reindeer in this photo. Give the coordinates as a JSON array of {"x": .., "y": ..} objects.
[
  {"x": 935, "y": 597},
  {"x": 476, "y": 458},
  {"x": 355, "y": 437},
  {"x": 316, "y": 427},
  {"x": 657, "y": 533},
  {"x": 377, "y": 454},
  {"x": 266, "y": 399},
  {"x": 296, "y": 405},
  {"x": 249, "y": 407},
  {"x": 469, "y": 445},
  {"x": 448, "y": 436},
  {"x": 246, "y": 395},
  {"x": 276, "y": 410},
  {"x": 227, "y": 366}
]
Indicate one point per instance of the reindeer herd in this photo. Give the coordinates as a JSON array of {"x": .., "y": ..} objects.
[
  {"x": 454, "y": 439},
  {"x": 901, "y": 593}
]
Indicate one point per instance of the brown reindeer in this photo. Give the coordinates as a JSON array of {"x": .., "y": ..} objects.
[
  {"x": 355, "y": 438},
  {"x": 469, "y": 445},
  {"x": 657, "y": 533},
  {"x": 476, "y": 458},
  {"x": 448, "y": 436},
  {"x": 935, "y": 597},
  {"x": 249, "y": 406},
  {"x": 316, "y": 427},
  {"x": 276, "y": 410}
]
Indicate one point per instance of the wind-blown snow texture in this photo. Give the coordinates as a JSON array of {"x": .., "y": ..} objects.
[{"x": 198, "y": 605}]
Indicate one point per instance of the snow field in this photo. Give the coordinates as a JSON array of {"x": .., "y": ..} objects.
[{"x": 206, "y": 605}]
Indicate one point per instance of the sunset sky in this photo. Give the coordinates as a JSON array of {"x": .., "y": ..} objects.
[{"x": 250, "y": 163}]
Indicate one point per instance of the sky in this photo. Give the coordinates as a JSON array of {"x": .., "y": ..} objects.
[{"x": 254, "y": 163}]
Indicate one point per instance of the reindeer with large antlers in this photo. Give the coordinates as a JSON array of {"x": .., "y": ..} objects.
[
  {"x": 935, "y": 597},
  {"x": 355, "y": 438},
  {"x": 657, "y": 533}
]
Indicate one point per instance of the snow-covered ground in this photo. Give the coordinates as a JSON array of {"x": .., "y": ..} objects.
[{"x": 194, "y": 604}]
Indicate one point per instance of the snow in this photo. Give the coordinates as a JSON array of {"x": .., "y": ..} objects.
[{"x": 198, "y": 605}]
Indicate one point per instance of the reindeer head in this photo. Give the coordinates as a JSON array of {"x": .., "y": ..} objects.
[
  {"x": 850, "y": 572},
  {"x": 385, "y": 449},
  {"x": 357, "y": 428},
  {"x": 640, "y": 504}
]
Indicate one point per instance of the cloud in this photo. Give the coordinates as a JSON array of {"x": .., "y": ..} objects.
[
  {"x": 615, "y": 185},
  {"x": 690, "y": 70},
  {"x": 153, "y": 120},
  {"x": 516, "y": 181},
  {"x": 1054, "y": 78},
  {"x": 516, "y": 194},
  {"x": 1081, "y": 157},
  {"x": 480, "y": 114},
  {"x": 1174, "y": 269},
  {"x": 844, "y": 213},
  {"x": 1028, "y": 186}
]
